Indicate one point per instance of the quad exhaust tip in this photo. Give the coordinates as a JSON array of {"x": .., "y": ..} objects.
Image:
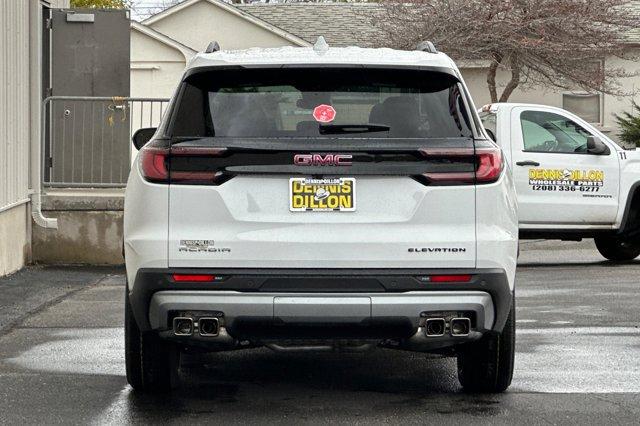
[
  {"x": 460, "y": 326},
  {"x": 183, "y": 326},
  {"x": 434, "y": 327},
  {"x": 208, "y": 327}
]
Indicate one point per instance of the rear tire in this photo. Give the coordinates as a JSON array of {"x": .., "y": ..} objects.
[
  {"x": 487, "y": 365},
  {"x": 150, "y": 361},
  {"x": 616, "y": 249}
]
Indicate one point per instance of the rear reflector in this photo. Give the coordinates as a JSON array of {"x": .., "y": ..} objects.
[
  {"x": 194, "y": 277},
  {"x": 449, "y": 278}
]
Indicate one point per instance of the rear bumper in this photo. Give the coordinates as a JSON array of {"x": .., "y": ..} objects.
[
  {"x": 306, "y": 297},
  {"x": 320, "y": 308}
]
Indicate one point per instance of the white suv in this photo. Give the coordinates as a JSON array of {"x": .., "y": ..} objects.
[{"x": 320, "y": 198}]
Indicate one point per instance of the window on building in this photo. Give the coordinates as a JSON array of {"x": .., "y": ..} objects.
[{"x": 584, "y": 105}]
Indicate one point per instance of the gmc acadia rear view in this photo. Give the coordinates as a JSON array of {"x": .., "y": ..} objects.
[{"x": 320, "y": 198}]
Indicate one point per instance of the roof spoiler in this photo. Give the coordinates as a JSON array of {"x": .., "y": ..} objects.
[{"x": 426, "y": 46}]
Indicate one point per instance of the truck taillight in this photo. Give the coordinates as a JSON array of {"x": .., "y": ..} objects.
[{"x": 482, "y": 164}]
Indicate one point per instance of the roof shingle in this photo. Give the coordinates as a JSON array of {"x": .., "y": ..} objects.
[{"x": 341, "y": 24}]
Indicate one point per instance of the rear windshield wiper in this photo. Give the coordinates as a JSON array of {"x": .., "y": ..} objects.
[{"x": 337, "y": 129}]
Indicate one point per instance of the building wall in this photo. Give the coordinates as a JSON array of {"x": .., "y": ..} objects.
[
  {"x": 617, "y": 105},
  {"x": 14, "y": 103},
  {"x": 156, "y": 68},
  {"x": 15, "y": 119},
  {"x": 196, "y": 26},
  {"x": 15, "y": 238}
]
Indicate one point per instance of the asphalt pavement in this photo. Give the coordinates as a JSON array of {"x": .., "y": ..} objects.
[{"x": 578, "y": 344}]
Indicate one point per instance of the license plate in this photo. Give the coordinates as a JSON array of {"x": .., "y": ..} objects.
[{"x": 324, "y": 195}]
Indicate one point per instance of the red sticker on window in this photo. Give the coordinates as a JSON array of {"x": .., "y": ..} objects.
[{"x": 324, "y": 113}]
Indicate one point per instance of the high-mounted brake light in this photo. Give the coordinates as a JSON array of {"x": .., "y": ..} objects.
[{"x": 194, "y": 278}]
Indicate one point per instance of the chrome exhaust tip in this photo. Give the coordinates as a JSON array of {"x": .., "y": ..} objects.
[
  {"x": 183, "y": 326},
  {"x": 208, "y": 327},
  {"x": 434, "y": 327},
  {"x": 460, "y": 327}
]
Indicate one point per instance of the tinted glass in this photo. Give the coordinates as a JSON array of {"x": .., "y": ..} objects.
[
  {"x": 550, "y": 132},
  {"x": 330, "y": 102}
]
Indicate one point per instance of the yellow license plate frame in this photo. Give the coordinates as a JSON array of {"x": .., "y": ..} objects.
[{"x": 322, "y": 194}]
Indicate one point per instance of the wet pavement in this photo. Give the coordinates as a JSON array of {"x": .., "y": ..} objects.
[{"x": 577, "y": 359}]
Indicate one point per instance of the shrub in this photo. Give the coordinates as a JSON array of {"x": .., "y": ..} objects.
[{"x": 629, "y": 123}]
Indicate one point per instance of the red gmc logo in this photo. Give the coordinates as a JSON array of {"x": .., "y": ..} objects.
[{"x": 322, "y": 160}]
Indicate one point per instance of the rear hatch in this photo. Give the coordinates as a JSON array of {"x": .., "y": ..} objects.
[{"x": 320, "y": 168}]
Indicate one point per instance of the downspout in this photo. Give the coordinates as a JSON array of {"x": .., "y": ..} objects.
[
  {"x": 37, "y": 122},
  {"x": 36, "y": 213},
  {"x": 36, "y": 196}
]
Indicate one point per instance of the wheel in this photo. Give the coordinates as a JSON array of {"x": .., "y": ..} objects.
[
  {"x": 616, "y": 249},
  {"x": 150, "y": 361},
  {"x": 487, "y": 365}
]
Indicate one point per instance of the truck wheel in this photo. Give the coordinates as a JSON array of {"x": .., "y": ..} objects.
[
  {"x": 150, "y": 361},
  {"x": 616, "y": 249},
  {"x": 487, "y": 365}
]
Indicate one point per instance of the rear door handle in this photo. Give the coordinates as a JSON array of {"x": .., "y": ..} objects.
[{"x": 527, "y": 163}]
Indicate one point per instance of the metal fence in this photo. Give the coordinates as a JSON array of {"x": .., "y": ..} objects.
[{"x": 87, "y": 140}]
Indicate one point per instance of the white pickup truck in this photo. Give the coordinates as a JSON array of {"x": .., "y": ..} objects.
[{"x": 572, "y": 181}]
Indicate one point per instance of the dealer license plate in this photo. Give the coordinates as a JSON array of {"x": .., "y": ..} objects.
[{"x": 325, "y": 195}]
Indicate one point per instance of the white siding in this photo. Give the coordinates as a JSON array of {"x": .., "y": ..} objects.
[{"x": 14, "y": 102}]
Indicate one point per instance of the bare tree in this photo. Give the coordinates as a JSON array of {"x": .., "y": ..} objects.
[{"x": 552, "y": 43}]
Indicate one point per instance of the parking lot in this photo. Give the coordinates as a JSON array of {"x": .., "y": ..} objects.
[{"x": 578, "y": 344}]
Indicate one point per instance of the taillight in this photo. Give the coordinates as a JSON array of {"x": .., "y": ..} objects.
[
  {"x": 190, "y": 165},
  {"x": 489, "y": 166},
  {"x": 154, "y": 163},
  {"x": 181, "y": 165},
  {"x": 464, "y": 166}
]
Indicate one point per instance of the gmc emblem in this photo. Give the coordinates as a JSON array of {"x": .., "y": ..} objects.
[{"x": 322, "y": 160}]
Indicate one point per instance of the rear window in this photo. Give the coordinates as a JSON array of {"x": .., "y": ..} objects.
[{"x": 321, "y": 102}]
